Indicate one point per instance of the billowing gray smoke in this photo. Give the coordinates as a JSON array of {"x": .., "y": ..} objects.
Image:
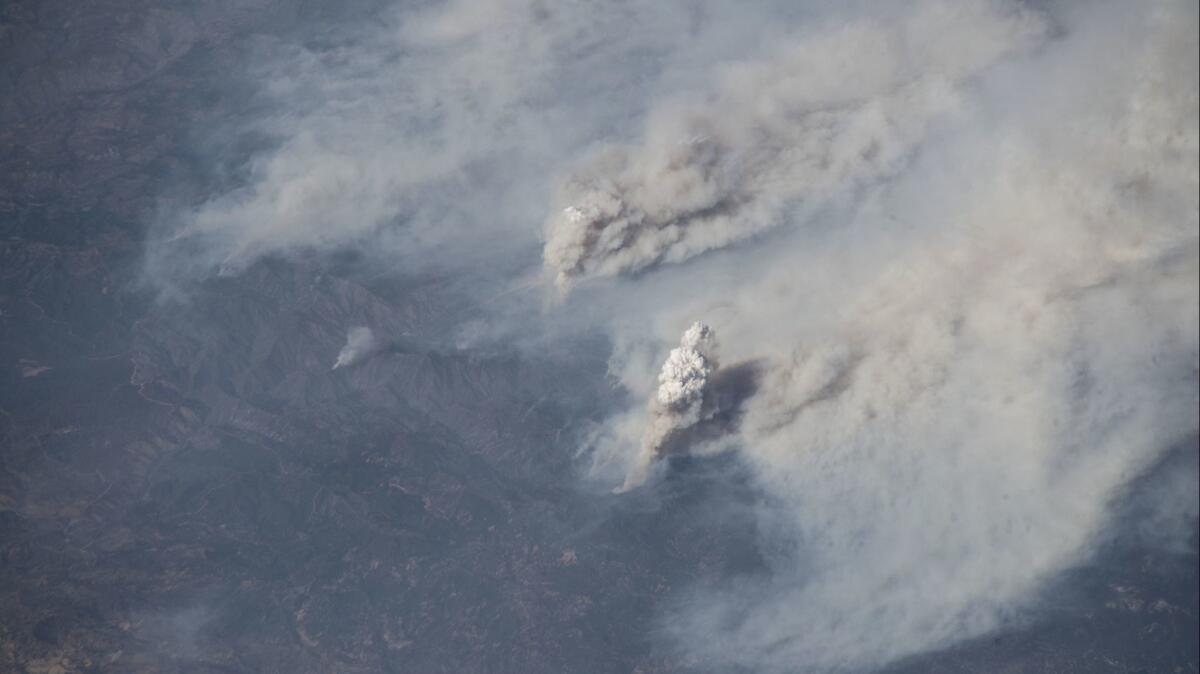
[
  {"x": 985, "y": 348},
  {"x": 977, "y": 314},
  {"x": 801, "y": 130},
  {"x": 679, "y": 401},
  {"x": 360, "y": 343}
]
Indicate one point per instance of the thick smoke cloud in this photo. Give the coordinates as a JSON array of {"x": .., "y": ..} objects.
[
  {"x": 678, "y": 403},
  {"x": 809, "y": 125},
  {"x": 698, "y": 402},
  {"x": 425, "y": 137},
  {"x": 973, "y": 322},
  {"x": 962, "y": 376}
]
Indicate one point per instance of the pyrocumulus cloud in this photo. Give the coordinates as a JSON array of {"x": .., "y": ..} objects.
[{"x": 678, "y": 403}]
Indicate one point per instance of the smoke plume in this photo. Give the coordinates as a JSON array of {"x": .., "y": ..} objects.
[
  {"x": 965, "y": 369},
  {"x": 678, "y": 403},
  {"x": 957, "y": 288},
  {"x": 360, "y": 343},
  {"x": 810, "y": 125}
]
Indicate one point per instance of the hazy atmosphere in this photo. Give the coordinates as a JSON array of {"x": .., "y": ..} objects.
[{"x": 671, "y": 336}]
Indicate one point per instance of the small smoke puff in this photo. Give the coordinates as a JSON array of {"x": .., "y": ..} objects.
[{"x": 360, "y": 343}]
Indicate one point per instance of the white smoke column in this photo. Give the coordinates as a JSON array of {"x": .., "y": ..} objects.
[
  {"x": 360, "y": 343},
  {"x": 841, "y": 110},
  {"x": 678, "y": 403}
]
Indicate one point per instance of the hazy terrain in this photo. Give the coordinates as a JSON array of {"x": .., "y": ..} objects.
[{"x": 959, "y": 434}]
